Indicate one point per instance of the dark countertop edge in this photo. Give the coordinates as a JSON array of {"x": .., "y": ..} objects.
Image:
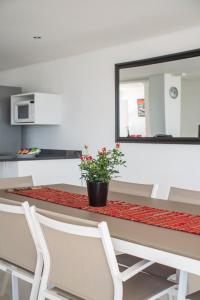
[
  {"x": 38, "y": 158},
  {"x": 48, "y": 154}
]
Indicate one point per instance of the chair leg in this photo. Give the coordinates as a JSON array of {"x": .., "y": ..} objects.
[
  {"x": 37, "y": 279},
  {"x": 34, "y": 289},
  {"x": 170, "y": 296},
  {"x": 41, "y": 297},
  {"x": 4, "y": 284},
  {"x": 15, "y": 287}
]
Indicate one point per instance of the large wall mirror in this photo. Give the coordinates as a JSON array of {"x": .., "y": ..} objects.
[{"x": 158, "y": 99}]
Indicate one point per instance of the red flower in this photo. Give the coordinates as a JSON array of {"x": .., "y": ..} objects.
[
  {"x": 89, "y": 157},
  {"x": 82, "y": 157},
  {"x": 117, "y": 146}
]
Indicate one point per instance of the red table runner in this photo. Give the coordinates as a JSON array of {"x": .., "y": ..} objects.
[{"x": 119, "y": 209}]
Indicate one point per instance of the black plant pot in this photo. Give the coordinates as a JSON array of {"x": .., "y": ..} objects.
[{"x": 97, "y": 193}]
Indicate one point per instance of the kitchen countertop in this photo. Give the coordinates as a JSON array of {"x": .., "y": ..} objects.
[{"x": 45, "y": 154}]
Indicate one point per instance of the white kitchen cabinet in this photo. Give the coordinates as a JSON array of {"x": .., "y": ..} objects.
[
  {"x": 44, "y": 172},
  {"x": 47, "y": 108}
]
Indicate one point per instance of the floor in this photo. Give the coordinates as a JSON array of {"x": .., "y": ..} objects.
[{"x": 24, "y": 290}]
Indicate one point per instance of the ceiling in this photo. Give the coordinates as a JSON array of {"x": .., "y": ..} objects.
[{"x": 69, "y": 27}]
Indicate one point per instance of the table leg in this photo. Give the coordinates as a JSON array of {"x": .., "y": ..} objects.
[
  {"x": 15, "y": 288},
  {"x": 182, "y": 289}
]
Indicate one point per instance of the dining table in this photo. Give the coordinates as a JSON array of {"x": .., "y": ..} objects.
[{"x": 174, "y": 248}]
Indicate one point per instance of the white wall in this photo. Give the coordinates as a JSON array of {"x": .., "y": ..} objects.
[
  {"x": 190, "y": 106},
  {"x": 172, "y": 106},
  {"x": 87, "y": 84},
  {"x": 156, "y": 104}
]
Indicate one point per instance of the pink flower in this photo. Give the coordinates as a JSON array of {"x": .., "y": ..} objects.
[{"x": 103, "y": 150}]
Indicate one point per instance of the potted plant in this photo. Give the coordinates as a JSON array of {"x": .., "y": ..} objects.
[{"x": 97, "y": 172}]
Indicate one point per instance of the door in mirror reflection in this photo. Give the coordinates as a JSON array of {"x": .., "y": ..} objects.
[{"x": 132, "y": 108}]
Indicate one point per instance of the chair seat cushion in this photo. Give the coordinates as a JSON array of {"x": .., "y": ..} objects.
[
  {"x": 155, "y": 269},
  {"x": 66, "y": 295},
  {"x": 144, "y": 286},
  {"x": 194, "y": 296},
  {"x": 127, "y": 260},
  {"x": 140, "y": 287}
]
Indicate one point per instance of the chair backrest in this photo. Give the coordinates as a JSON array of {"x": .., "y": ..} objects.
[
  {"x": 130, "y": 188},
  {"x": 16, "y": 182},
  {"x": 78, "y": 257},
  {"x": 17, "y": 245},
  {"x": 183, "y": 195}
]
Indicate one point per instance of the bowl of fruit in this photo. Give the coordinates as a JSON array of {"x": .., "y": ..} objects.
[{"x": 28, "y": 152}]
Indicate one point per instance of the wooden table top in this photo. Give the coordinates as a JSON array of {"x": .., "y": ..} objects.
[{"x": 177, "y": 242}]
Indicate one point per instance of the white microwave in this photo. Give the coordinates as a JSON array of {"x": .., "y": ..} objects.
[{"x": 24, "y": 111}]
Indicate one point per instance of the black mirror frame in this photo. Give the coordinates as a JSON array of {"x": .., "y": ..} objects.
[{"x": 144, "y": 62}]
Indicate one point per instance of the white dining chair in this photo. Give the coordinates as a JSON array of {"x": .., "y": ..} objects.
[
  {"x": 131, "y": 188},
  {"x": 189, "y": 196},
  {"x": 80, "y": 263},
  {"x": 145, "y": 190},
  {"x": 184, "y": 195},
  {"x": 7, "y": 183},
  {"x": 20, "y": 255},
  {"x": 16, "y": 182}
]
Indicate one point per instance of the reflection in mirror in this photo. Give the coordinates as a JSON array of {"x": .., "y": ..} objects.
[{"x": 161, "y": 99}]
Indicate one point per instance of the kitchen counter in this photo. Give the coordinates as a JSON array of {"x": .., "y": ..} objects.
[
  {"x": 45, "y": 154},
  {"x": 49, "y": 167}
]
